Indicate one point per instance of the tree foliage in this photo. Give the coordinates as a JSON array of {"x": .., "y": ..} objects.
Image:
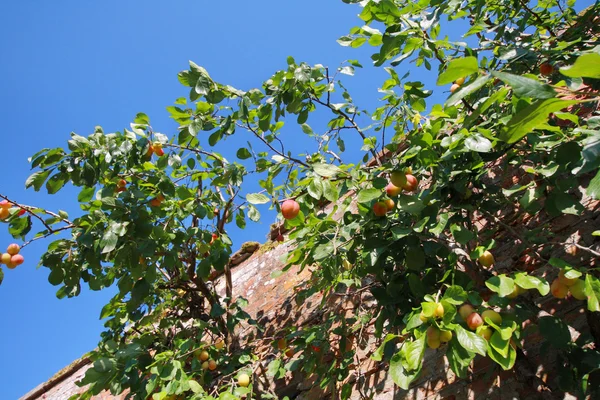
[{"x": 525, "y": 101}]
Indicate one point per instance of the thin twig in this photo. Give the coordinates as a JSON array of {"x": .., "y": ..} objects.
[
  {"x": 262, "y": 139},
  {"x": 52, "y": 232},
  {"x": 351, "y": 121}
]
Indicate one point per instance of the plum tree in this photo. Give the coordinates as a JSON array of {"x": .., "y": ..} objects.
[{"x": 502, "y": 161}]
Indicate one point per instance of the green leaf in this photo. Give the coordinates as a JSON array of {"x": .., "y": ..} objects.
[
  {"x": 399, "y": 375},
  {"x": 532, "y": 282},
  {"x": 243, "y": 153},
  {"x": 559, "y": 202},
  {"x": 257, "y": 198},
  {"x": 416, "y": 286},
  {"x": 555, "y": 331},
  {"x": 592, "y": 291},
  {"x": 330, "y": 191},
  {"x": 458, "y": 68},
  {"x": 347, "y": 70},
  {"x": 19, "y": 227},
  {"x": 410, "y": 204},
  {"x": 461, "y": 234},
  {"x": 501, "y": 284},
  {"x": 499, "y": 95},
  {"x": 398, "y": 232},
  {"x": 367, "y": 195},
  {"x": 203, "y": 85},
  {"x": 459, "y": 358},
  {"x": 420, "y": 225},
  {"x": 505, "y": 362},
  {"x": 142, "y": 118},
  {"x": 216, "y": 310},
  {"x": 195, "y": 386},
  {"x": 429, "y": 308},
  {"x": 378, "y": 354},
  {"x": 104, "y": 364},
  {"x": 273, "y": 367},
  {"x": 569, "y": 271},
  {"x": 1, "y": 275},
  {"x": 467, "y": 90},
  {"x": 315, "y": 189},
  {"x": 307, "y": 129},
  {"x": 531, "y": 118},
  {"x": 56, "y": 182},
  {"x": 86, "y": 194},
  {"x": 526, "y": 87},
  {"x": 326, "y": 170},
  {"x": 455, "y": 295},
  {"x": 108, "y": 242},
  {"x": 441, "y": 225},
  {"x": 214, "y": 138},
  {"x": 415, "y": 258},
  {"x": 37, "y": 179},
  {"x": 470, "y": 341},
  {"x": 514, "y": 189},
  {"x": 412, "y": 352},
  {"x": 478, "y": 143},
  {"x": 505, "y": 333},
  {"x": 500, "y": 344},
  {"x": 593, "y": 189},
  {"x": 586, "y": 66}
]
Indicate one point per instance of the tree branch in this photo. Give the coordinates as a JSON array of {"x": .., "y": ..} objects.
[
  {"x": 351, "y": 121},
  {"x": 262, "y": 139}
]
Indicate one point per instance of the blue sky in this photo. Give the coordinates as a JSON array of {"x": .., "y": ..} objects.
[{"x": 71, "y": 65}]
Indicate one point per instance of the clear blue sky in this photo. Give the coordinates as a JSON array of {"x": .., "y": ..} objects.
[{"x": 71, "y": 65}]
